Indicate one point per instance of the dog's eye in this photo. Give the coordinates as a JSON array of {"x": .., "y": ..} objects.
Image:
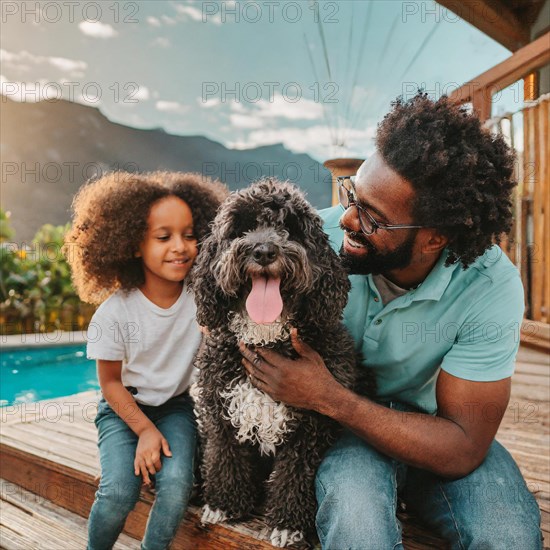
[
  {"x": 246, "y": 221},
  {"x": 294, "y": 227}
]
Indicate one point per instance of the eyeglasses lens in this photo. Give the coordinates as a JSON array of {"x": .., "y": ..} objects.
[
  {"x": 343, "y": 194},
  {"x": 346, "y": 196}
]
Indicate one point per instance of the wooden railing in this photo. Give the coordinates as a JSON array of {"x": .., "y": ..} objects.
[
  {"x": 480, "y": 90},
  {"x": 528, "y": 244}
]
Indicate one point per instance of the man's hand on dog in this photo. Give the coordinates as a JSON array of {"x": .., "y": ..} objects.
[{"x": 303, "y": 382}]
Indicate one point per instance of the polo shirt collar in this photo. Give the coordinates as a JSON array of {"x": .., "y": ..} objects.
[
  {"x": 432, "y": 288},
  {"x": 437, "y": 281}
]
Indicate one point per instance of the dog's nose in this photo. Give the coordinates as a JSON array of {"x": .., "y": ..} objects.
[{"x": 264, "y": 253}]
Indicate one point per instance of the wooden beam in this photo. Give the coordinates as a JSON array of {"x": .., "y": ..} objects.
[
  {"x": 493, "y": 18},
  {"x": 524, "y": 61}
]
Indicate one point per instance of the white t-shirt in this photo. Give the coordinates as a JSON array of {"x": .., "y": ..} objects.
[{"x": 156, "y": 345}]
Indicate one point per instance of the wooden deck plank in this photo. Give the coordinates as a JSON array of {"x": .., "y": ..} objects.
[
  {"x": 33, "y": 448},
  {"x": 530, "y": 394},
  {"x": 54, "y": 440},
  {"x": 532, "y": 368},
  {"x": 45, "y": 526},
  {"x": 11, "y": 540},
  {"x": 79, "y": 407},
  {"x": 40, "y": 533}
]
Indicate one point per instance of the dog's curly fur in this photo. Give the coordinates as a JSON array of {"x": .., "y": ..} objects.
[{"x": 314, "y": 290}]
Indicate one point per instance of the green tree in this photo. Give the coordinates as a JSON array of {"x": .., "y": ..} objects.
[
  {"x": 54, "y": 286},
  {"x": 6, "y": 231},
  {"x": 35, "y": 282}
]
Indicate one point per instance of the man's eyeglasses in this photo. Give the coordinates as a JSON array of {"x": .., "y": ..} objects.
[{"x": 348, "y": 197}]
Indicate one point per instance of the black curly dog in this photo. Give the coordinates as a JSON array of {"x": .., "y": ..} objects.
[{"x": 267, "y": 266}]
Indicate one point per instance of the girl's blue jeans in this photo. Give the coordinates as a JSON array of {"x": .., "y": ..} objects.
[
  {"x": 119, "y": 487},
  {"x": 358, "y": 488}
]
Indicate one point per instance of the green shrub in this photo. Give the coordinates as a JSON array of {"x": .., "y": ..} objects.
[{"x": 36, "y": 292}]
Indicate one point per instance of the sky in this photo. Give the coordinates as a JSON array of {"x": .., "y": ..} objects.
[{"x": 315, "y": 76}]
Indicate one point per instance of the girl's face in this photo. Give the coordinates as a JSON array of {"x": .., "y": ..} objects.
[{"x": 170, "y": 246}]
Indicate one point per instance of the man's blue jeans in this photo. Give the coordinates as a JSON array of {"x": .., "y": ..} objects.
[
  {"x": 357, "y": 490},
  {"x": 119, "y": 487}
]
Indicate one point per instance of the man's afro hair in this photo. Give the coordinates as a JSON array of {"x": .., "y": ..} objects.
[{"x": 461, "y": 172}]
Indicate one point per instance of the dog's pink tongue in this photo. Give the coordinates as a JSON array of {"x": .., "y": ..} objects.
[{"x": 264, "y": 303}]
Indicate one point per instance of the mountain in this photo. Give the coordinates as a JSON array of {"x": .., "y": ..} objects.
[{"x": 50, "y": 148}]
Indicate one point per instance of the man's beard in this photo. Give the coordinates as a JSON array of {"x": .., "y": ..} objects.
[{"x": 376, "y": 262}]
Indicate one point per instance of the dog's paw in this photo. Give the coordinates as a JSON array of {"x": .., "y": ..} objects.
[
  {"x": 212, "y": 516},
  {"x": 283, "y": 537}
]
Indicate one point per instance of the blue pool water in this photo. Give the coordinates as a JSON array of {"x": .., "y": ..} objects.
[{"x": 32, "y": 374}]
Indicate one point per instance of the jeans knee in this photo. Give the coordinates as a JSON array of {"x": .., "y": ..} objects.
[
  {"x": 121, "y": 495},
  {"x": 355, "y": 517},
  {"x": 176, "y": 486},
  {"x": 525, "y": 537},
  {"x": 512, "y": 532}
]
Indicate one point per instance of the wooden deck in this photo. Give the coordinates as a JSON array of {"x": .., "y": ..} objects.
[
  {"x": 30, "y": 522},
  {"x": 49, "y": 449}
]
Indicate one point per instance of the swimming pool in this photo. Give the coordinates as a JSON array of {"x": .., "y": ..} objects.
[{"x": 32, "y": 374}]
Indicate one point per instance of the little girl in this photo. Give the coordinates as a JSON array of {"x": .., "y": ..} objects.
[{"x": 133, "y": 241}]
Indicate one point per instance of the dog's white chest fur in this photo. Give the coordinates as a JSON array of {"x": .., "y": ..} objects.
[
  {"x": 256, "y": 417},
  {"x": 258, "y": 335}
]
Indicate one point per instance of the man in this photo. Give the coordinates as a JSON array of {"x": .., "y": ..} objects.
[{"x": 435, "y": 308}]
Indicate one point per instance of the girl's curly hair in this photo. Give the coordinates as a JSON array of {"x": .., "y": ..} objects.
[
  {"x": 110, "y": 221},
  {"x": 462, "y": 174}
]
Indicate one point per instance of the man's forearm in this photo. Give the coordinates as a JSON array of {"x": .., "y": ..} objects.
[{"x": 421, "y": 440}]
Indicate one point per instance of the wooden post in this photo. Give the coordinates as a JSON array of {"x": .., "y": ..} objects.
[
  {"x": 482, "y": 102},
  {"x": 341, "y": 167},
  {"x": 527, "y": 199},
  {"x": 537, "y": 220},
  {"x": 541, "y": 227}
]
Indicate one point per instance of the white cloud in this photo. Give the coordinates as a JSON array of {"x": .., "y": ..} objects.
[
  {"x": 96, "y": 29},
  {"x": 245, "y": 121},
  {"x": 171, "y": 107},
  {"x": 153, "y": 21},
  {"x": 135, "y": 120},
  {"x": 315, "y": 140},
  {"x": 31, "y": 92},
  {"x": 188, "y": 12},
  {"x": 6, "y": 57},
  {"x": 283, "y": 107},
  {"x": 168, "y": 20},
  {"x": 297, "y": 139},
  {"x": 209, "y": 103},
  {"x": 68, "y": 65},
  {"x": 11, "y": 89},
  {"x": 23, "y": 60},
  {"x": 89, "y": 98},
  {"x": 238, "y": 107},
  {"x": 161, "y": 41},
  {"x": 280, "y": 107},
  {"x": 142, "y": 94}
]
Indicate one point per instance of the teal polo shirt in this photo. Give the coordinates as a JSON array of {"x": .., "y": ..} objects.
[{"x": 466, "y": 322}]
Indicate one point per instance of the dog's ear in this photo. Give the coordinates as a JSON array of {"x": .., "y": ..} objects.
[
  {"x": 212, "y": 305},
  {"x": 329, "y": 295}
]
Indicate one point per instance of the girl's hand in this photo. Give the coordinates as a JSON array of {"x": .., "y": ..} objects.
[{"x": 150, "y": 445}]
